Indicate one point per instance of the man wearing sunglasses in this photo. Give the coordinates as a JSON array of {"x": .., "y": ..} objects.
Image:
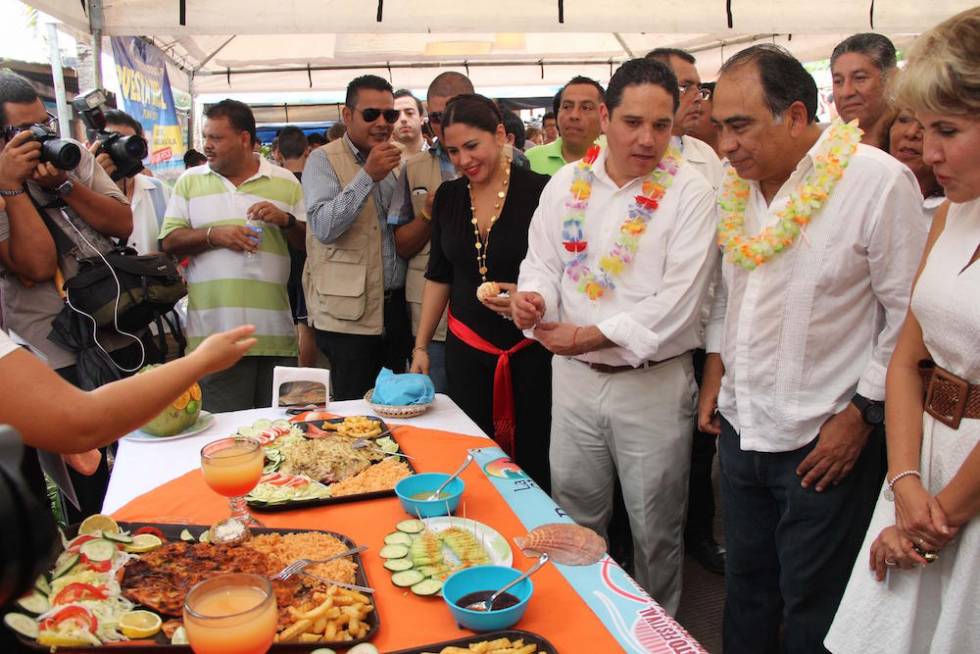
[{"x": 354, "y": 279}]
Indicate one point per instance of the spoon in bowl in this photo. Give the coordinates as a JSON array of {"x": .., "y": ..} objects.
[
  {"x": 487, "y": 604},
  {"x": 459, "y": 471}
]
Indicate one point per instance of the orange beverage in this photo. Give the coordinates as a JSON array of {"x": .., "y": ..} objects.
[
  {"x": 231, "y": 614},
  {"x": 232, "y": 468}
]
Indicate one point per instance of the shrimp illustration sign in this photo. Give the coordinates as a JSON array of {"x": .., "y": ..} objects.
[
  {"x": 639, "y": 624},
  {"x": 147, "y": 97}
]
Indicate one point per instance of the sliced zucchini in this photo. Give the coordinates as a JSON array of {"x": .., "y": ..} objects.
[
  {"x": 42, "y": 585},
  {"x": 393, "y": 552},
  {"x": 427, "y": 587},
  {"x": 398, "y": 538},
  {"x": 410, "y": 526},
  {"x": 25, "y": 625},
  {"x": 64, "y": 566},
  {"x": 406, "y": 578},
  {"x": 186, "y": 535},
  {"x": 118, "y": 537},
  {"x": 34, "y": 603},
  {"x": 398, "y": 565},
  {"x": 262, "y": 424},
  {"x": 98, "y": 550}
]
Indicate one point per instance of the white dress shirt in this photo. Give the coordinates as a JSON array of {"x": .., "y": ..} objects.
[
  {"x": 704, "y": 159},
  {"x": 148, "y": 213},
  {"x": 654, "y": 311},
  {"x": 802, "y": 332}
]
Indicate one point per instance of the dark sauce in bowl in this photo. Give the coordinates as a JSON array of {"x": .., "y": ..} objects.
[{"x": 505, "y": 601}]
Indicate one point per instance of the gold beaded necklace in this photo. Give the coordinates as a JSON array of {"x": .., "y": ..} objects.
[{"x": 483, "y": 244}]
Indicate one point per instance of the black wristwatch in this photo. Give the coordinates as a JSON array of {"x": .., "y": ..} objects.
[{"x": 872, "y": 411}]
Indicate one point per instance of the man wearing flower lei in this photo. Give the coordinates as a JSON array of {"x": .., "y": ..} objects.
[
  {"x": 821, "y": 240},
  {"x": 620, "y": 253}
]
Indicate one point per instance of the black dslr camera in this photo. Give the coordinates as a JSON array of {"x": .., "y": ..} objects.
[
  {"x": 61, "y": 153},
  {"x": 127, "y": 152}
]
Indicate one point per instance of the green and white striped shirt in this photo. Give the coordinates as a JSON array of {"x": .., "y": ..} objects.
[{"x": 227, "y": 288}]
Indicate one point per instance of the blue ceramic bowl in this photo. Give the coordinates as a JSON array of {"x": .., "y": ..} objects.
[
  {"x": 486, "y": 577},
  {"x": 428, "y": 482}
]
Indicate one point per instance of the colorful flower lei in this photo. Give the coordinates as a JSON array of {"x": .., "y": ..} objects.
[
  {"x": 623, "y": 251},
  {"x": 809, "y": 197}
]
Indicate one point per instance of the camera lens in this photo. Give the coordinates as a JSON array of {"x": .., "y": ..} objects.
[
  {"x": 60, "y": 153},
  {"x": 127, "y": 154}
]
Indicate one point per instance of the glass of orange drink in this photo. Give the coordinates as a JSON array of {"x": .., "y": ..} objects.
[
  {"x": 231, "y": 614},
  {"x": 232, "y": 467}
]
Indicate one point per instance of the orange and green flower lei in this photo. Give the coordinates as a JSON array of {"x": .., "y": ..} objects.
[
  {"x": 623, "y": 251},
  {"x": 809, "y": 197}
]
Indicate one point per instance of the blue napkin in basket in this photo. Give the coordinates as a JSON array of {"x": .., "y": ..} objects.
[{"x": 402, "y": 390}]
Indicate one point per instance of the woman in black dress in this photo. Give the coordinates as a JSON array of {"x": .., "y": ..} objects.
[{"x": 480, "y": 221}]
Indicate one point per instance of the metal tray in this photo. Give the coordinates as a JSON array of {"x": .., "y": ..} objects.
[
  {"x": 543, "y": 645},
  {"x": 268, "y": 507},
  {"x": 162, "y": 644}
]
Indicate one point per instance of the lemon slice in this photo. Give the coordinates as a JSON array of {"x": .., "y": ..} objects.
[
  {"x": 52, "y": 638},
  {"x": 143, "y": 543},
  {"x": 98, "y": 522},
  {"x": 140, "y": 624}
]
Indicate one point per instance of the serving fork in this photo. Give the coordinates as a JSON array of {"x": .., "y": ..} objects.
[{"x": 299, "y": 565}]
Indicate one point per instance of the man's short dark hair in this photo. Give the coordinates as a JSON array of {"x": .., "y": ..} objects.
[
  {"x": 449, "y": 84},
  {"x": 193, "y": 158},
  {"x": 292, "y": 142},
  {"x": 405, "y": 93},
  {"x": 119, "y": 117},
  {"x": 317, "y": 139},
  {"x": 372, "y": 82},
  {"x": 514, "y": 125},
  {"x": 664, "y": 55},
  {"x": 14, "y": 88},
  {"x": 549, "y": 116},
  {"x": 877, "y": 47},
  {"x": 238, "y": 114},
  {"x": 580, "y": 79},
  {"x": 784, "y": 79},
  {"x": 636, "y": 72}
]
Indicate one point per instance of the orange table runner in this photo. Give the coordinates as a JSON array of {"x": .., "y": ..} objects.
[{"x": 555, "y": 612}]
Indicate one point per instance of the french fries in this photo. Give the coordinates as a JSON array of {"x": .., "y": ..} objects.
[
  {"x": 498, "y": 646},
  {"x": 336, "y": 615}
]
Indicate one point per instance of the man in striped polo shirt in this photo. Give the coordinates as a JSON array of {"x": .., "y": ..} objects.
[{"x": 238, "y": 272}]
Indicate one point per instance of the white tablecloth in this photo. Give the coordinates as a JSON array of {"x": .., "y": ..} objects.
[{"x": 142, "y": 466}]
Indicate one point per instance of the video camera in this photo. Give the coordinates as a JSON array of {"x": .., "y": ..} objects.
[
  {"x": 127, "y": 152},
  {"x": 60, "y": 153}
]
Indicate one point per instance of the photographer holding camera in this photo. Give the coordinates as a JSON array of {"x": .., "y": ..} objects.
[{"x": 54, "y": 192}]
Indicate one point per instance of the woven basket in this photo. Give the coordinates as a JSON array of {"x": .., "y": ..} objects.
[{"x": 390, "y": 411}]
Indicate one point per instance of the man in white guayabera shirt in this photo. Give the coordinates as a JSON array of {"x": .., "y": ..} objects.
[
  {"x": 821, "y": 238},
  {"x": 620, "y": 252}
]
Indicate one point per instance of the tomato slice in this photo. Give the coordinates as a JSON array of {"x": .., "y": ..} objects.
[
  {"x": 78, "y": 592},
  {"x": 297, "y": 482},
  {"x": 97, "y": 566},
  {"x": 150, "y": 530},
  {"x": 76, "y": 544},
  {"x": 77, "y": 614}
]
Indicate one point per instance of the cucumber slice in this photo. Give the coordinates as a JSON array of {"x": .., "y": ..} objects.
[
  {"x": 118, "y": 537},
  {"x": 42, "y": 585},
  {"x": 98, "y": 550},
  {"x": 262, "y": 424},
  {"x": 393, "y": 552},
  {"x": 251, "y": 432},
  {"x": 398, "y": 565},
  {"x": 406, "y": 578},
  {"x": 410, "y": 526},
  {"x": 34, "y": 603},
  {"x": 64, "y": 566},
  {"x": 25, "y": 625},
  {"x": 427, "y": 587},
  {"x": 186, "y": 535},
  {"x": 398, "y": 538},
  {"x": 282, "y": 424}
]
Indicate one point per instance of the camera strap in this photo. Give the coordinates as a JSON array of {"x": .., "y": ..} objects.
[{"x": 62, "y": 243}]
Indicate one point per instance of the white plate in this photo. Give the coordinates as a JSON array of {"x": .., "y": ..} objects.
[
  {"x": 496, "y": 545},
  {"x": 204, "y": 420}
]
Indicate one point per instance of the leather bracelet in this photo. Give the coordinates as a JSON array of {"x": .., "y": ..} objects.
[
  {"x": 290, "y": 222},
  {"x": 207, "y": 237},
  {"x": 890, "y": 493}
]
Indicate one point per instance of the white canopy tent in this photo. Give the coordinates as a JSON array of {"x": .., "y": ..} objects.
[{"x": 241, "y": 46}]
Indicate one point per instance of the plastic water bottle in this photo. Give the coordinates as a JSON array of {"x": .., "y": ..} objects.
[{"x": 256, "y": 227}]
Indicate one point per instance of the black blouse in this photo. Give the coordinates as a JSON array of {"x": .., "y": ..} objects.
[{"x": 452, "y": 259}]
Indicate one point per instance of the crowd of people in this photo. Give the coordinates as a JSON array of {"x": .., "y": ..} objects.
[{"x": 677, "y": 267}]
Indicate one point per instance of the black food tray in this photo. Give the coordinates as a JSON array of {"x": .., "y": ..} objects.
[
  {"x": 543, "y": 645},
  {"x": 162, "y": 644},
  {"x": 273, "y": 507}
]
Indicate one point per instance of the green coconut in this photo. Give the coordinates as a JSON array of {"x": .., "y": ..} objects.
[{"x": 180, "y": 415}]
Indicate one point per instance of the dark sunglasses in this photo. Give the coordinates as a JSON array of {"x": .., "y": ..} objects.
[
  {"x": 435, "y": 117},
  {"x": 372, "y": 114}
]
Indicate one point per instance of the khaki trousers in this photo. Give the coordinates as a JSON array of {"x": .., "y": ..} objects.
[{"x": 637, "y": 424}]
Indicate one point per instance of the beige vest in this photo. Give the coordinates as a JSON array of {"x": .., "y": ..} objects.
[
  {"x": 344, "y": 280},
  {"x": 421, "y": 170}
]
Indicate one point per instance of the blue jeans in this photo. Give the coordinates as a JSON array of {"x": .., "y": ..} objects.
[
  {"x": 437, "y": 366},
  {"x": 790, "y": 549}
]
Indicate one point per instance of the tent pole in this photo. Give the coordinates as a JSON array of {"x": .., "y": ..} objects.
[
  {"x": 95, "y": 23},
  {"x": 58, "y": 76},
  {"x": 190, "y": 114}
]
